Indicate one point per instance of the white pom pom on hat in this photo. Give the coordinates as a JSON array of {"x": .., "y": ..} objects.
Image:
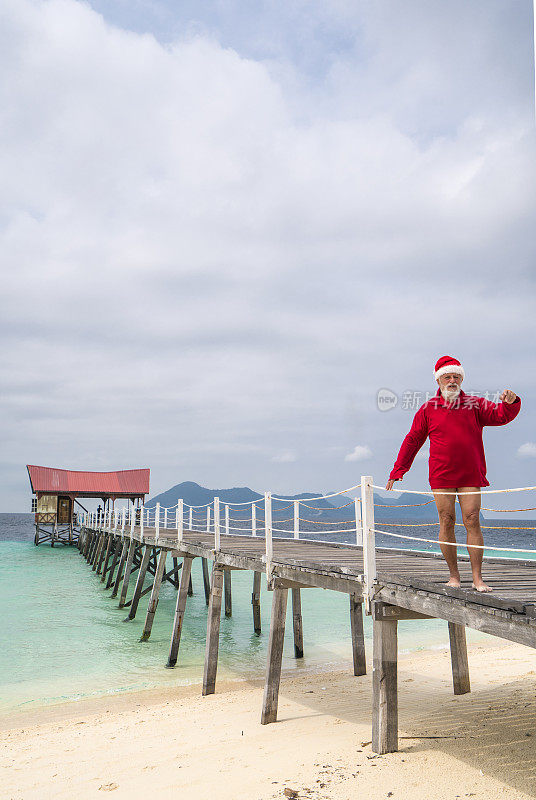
[{"x": 447, "y": 364}]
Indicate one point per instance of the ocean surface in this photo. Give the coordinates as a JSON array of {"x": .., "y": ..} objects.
[{"x": 65, "y": 639}]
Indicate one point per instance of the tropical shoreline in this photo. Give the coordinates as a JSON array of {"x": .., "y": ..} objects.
[{"x": 160, "y": 742}]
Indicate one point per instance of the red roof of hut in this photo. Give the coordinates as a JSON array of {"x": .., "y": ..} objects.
[{"x": 122, "y": 483}]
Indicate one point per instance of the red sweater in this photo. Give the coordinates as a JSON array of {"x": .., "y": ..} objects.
[{"x": 456, "y": 446}]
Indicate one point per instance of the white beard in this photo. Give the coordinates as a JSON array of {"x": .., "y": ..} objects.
[{"x": 449, "y": 395}]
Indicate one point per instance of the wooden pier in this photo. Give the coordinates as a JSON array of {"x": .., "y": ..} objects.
[{"x": 389, "y": 584}]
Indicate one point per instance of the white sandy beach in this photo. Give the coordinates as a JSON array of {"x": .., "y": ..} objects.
[{"x": 178, "y": 744}]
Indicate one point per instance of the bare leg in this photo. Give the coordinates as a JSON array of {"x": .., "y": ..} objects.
[
  {"x": 470, "y": 506},
  {"x": 447, "y": 517}
]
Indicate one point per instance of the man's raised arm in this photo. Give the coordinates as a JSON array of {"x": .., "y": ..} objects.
[
  {"x": 410, "y": 447},
  {"x": 499, "y": 413}
]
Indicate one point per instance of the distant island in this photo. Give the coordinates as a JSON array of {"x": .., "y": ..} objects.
[
  {"x": 405, "y": 508},
  {"x": 388, "y": 509}
]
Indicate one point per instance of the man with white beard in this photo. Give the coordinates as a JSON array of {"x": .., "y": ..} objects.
[{"x": 454, "y": 420}]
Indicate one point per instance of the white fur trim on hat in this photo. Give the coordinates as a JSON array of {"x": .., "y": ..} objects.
[{"x": 457, "y": 369}]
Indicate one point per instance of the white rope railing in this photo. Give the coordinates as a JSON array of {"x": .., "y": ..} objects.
[
  {"x": 457, "y": 525},
  {"x": 456, "y": 544},
  {"x": 262, "y": 518},
  {"x": 442, "y": 491}
]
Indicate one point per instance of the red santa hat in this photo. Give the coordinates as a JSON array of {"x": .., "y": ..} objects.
[{"x": 447, "y": 364}]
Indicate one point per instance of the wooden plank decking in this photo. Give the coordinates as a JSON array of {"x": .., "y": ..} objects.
[{"x": 513, "y": 581}]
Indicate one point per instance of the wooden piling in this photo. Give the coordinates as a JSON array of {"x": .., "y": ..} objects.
[
  {"x": 126, "y": 576},
  {"x": 153, "y": 601},
  {"x": 120, "y": 568},
  {"x": 109, "y": 551},
  {"x": 458, "y": 658},
  {"x": 104, "y": 552},
  {"x": 117, "y": 550},
  {"x": 206, "y": 579},
  {"x": 256, "y": 602},
  {"x": 90, "y": 547},
  {"x": 104, "y": 555},
  {"x": 96, "y": 552},
  {"x": 100, "y": 553},
  {"x": 96, "y": 549},
  {"x": 275, "y": 654},
  {"x": 358, "y": 637},
  {"x": 139, "y": 583},
  {"x": 213, "y": 631},
  {"x": 384, "y": 686},
  {"x": 297, "y": 622},
  {"x": 176, "y": 571},
  {"x": 180, "y": 609},
  {"x": 228, "y": 593},
  {"x": 190, "y": 588}
]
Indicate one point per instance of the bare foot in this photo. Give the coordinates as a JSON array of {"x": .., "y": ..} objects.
[
  {"x": 454, "y": 583},
  {"x": 480, "y": 586}
]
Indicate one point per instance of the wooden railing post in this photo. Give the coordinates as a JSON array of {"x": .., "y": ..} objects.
[
  {"x": 296, "y": 519},
  {"x": 226, "y": 519},
  {"x": 358, "y": 522},
  {"x": 180, "y": 519},
  {"x": 208, "y": 519},
  {"x": 253, "y": 519},
  {"x": 369, "y": 539},
  {"x": 191, "y": 518},
  {"x": 217, "y": 523},
  {"x": 165, "y": 518},
  {"x": 157, "y": 521},
  {"x": 142, "y": 510},
  {"x": 268, "y": 534}
]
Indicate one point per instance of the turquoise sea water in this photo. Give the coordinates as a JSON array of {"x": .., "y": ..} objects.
[{"x": 64, "y": 638}]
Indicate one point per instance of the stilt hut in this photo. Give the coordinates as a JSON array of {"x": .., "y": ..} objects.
[{"x": 57, "y": 492}]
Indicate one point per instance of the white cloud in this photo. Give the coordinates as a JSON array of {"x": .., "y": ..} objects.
[
  {"x": 527, "y": 450},
  {"x": 360, "y": 453},
  {"x": 286, "y": 457},
  {"x": 196, "y": 245}
]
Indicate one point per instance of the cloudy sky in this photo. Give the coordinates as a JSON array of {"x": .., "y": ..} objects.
[{"x": 226, "y": 225}]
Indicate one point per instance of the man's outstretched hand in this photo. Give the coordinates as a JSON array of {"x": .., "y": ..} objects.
[
  {"x": 508, "y": 396},
  {"x": 390, "y": 484}
]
